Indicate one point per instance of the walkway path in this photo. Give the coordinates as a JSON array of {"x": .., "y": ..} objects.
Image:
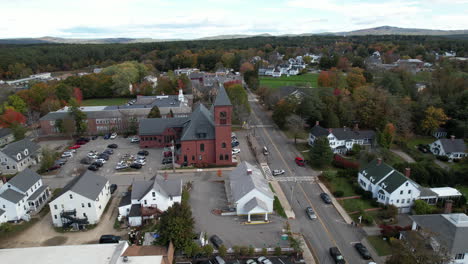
[{"x": 403, "y": 155}]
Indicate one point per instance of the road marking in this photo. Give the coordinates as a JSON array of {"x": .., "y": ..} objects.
[{"x": 296, "y": 179}]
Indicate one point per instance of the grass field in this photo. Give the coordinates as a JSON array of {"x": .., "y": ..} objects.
[
  {"x": 381, "y": 246},
  {"x": 412, "y": 143},
  {"x": 105, "y": 101},
  {"x": 305, "y": 80},
  {"x": 342, "y": 184},
  {"x": 352, "y": 205}
]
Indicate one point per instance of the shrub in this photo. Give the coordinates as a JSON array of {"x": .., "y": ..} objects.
[
  {"x": 222, "y": 250},
  {"x": 338, "y": 194},
  {"x": 421, "y": 207},
  {"x": 367, "y": 195},
  {"x": 278, "y": 251},
  {"x": 244, "y": 251},
  {"x": 208, "y": 250},
  {"x": 374, "y": 203},
  {"x": 388, "y": 212},
  {"x": 264, "y": 251},
  {"x": 329, "y": 175},
  {"x": 442, "y": 158},
  {"x": 236, "y": 250},
  {"x": 251, "y": 251},
  {"x": 367, "y": 219}
]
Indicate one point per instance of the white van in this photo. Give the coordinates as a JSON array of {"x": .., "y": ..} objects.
[
  {"x": 220, "y": 260},
  {"x": 265, "y": 151}
]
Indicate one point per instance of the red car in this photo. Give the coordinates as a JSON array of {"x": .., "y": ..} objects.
[
  {"x": 81, "y": 142},
  {"x": 299, "y": 161},
  {"x": 75, "y": 147}
]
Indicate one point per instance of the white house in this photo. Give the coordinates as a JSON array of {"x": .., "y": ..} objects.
[
  {"x": 248, "y": 191},
  {"x": 445, "y": 230},
  {"x": 6, "y": 136},
  {"x": 388, "y": 185},
  {"x": 453, "y": 148},
  {"x": 17, "y": 156},
  {"x": 23, "y": 195},
  {"x": 149, "y": 198},
  {"x": 342, "y": 140},
  {"x": 440, "y": 132},
  {"x": 81, "y": 202}
]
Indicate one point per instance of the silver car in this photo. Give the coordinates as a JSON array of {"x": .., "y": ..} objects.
[{"x": 311, "y": 213}]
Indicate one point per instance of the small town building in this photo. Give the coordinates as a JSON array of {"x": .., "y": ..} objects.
[
  {"x": 81, "y": 202},
  {"x": 6, "y": 136},
  {"x": 342, "y": 140},
  {"x": 22, "y": 196},
  {"x": 388, "y": 185},
  {"x": 248, "y": 191},
  {"x": 440, "y": 133},
  {"x": 452, "y": 148},
  {"x": 19, "y": 155},
  {"x": 149, "y": 198},
  {"x": 433, "y": 195}
]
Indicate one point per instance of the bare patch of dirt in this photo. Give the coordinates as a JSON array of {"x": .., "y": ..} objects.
[{"x": 55, "y": 241}]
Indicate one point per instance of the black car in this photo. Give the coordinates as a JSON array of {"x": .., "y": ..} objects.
[
  {"x": 423, "y": 148},
  {"x": 326, "y": 198},
  {"x": 94, "y": 137},
  {"x": 362, "y": 251},
  {"x": 217, "y": 242},
  {"x": 143, "y": 152},
  {"x": 93, "y": 167},
  {"x": 167, "y": 160},
  {"x": 107, "y": 136},
  {"x": 97, "y": 164},
  {"x": 336, "y": 255},
  {"x": 108, "y": 151},
  {"x": 136, "y": 166},
  {"x": 83, "y": 139},
  {"x": 114, "y": 146},
  {"x": 106, "y": 239},
  {"x": 113, "y": 187},
  {"x": 235, "y": 143},
  {"x": 103, "y": 156},
  {"x": 61, "y": 162}
]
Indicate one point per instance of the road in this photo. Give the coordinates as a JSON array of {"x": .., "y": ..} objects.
[{"x": 329, "y": 229}]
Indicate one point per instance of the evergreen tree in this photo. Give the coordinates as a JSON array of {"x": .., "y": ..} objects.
[
  {"x": 79, "y": 117},
  {"x": 154, "y": 113},
  {"x": 321, "y": 154},
  {"x": 176, "y": 225}
]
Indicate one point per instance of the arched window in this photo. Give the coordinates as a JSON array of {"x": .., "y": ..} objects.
[
  {"x": 223, "y": 118},
  {"x": 202, "y": 147},
  {"x": 221, "y": 157},
  {"x": 226, "y": 157},
  {"x": 223, "y": 145}
]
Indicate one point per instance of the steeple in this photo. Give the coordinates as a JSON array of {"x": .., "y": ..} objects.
[
  {"x": 181, "y": 96},
  {"x": 222, "y": 99}
]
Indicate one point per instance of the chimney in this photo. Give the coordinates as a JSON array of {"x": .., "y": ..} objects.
[
  {"x": 317, "y": 123},
  {"x": 356, "y": 127},
  {"x": 452, "y": 137},
  {"x": 407, "y": 172},
  {"x": 448, "y": 207},
  {"x": 249, "y": 171},
  {"x": 379, "y": 161},
  {"x": 4, "y": 179},
  {"x": 330, "y": 130}
]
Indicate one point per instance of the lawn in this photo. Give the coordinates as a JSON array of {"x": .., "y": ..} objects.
[
  {"x": 342, "y": 184},
  {"x": 301, "y": 135},
  {"x": 381, "y": 246},
  {"x": 105, "y": 101},
  {"x": 352, "y": 205},
  {"x": 422, "y": 77},
  {"x": 412, "y": 143},
  {"x": 305, "y": 80},
  {"x": 463, "y": 189}
]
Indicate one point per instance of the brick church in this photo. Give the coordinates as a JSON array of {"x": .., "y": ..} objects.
[{"x": 202, "y": 138}]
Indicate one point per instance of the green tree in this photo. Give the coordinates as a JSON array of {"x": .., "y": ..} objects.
[
  {"x": 320, "y": 153},
  {"x": 239, "y": 99},
  {"x": 208, "y": 250},
  {"x": 63, "y": 91},
  {"x": 278, "y": 251},
  {"x": 222, "y": 250},
  {"x": 192, "y": 250},
  {"x": 59, "y": 124},
  {"x": 421, "y": 207},
  {"x": 386, "y": 137},
  {"x": 295, "y": 125},
  {"x": 17, "y": 103},
  {"x": 78, "y": 116},
  {"x": 251, "y": 251},
  {"x": 176, "y": 225},
  {"x": 244, "y": 251},
  {"x": 281, "y": 111},
  {"x": 434, "y": 118},
  {"x": 154, "y": 113},
  {"x": 19, "y": 131},
  {"x": 48, "y": 158}
]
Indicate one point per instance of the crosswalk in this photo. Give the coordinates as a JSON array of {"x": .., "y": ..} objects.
[{"x": 297, "y": 179}]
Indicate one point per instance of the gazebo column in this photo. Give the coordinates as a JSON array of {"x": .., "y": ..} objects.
[
  {"x": 266, "y": 217},
  {"x": 248, "y": 217}
]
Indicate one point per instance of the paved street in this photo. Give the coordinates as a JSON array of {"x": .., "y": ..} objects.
[{"x": 329, "y": 229}]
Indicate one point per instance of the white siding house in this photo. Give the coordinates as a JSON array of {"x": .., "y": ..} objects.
[
  {"x": 149, "y": 198},
  {"x": 17, "y": 156},
  {"x": 6, "y": 136},
  {"x": 453, "y": 148},
  {"x": 389, "y": 186},
  {"x": 81, "y": 202},
  {"x": 248, "y": 191},
  {"x": 23, "y": 195}
]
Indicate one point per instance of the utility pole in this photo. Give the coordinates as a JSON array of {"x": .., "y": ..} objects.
[
  {"x": 292, "y": 189},
  {"x": 172, "y": 151}
]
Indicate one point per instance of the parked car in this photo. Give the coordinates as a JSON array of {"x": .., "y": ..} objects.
[
  {"x": 103, "y": 156},
  {"x": 113, "y": 188},
  {"x": 113, "y": 146},
  {"x": 67, "y": 154},
  {"x": 265, "y": 151},
  {"x": 300, "y": 161},
  {"x": 264, "y": 260},
  {"x": 326, "y": 198},
  {"x": 113, "y": 135},
  {"x": 143, "y": 152},
  {"x": 107, "y": 136},
  {"x": 219, "y": 260},
  {"x": 75, "y": 147},
  {"x": 61, "y": 162},
  {"x": 92, "y": 155},
  {"x": 86, "y": 160},
  {"x": 217, "y": 242},
  {"x": 83, "y": 139},
  {"x": 233, "y": 135},
  {"x": 336, "y": 255},
  {"x": 103, "y": 161},
  {"x": 250, "y": 261},
  {"x": 234, "y": 144},
  {"x": 105, "y": 239},
  {"x": 108, "y": 151},
  {"x": 98, "y": 163},
  {"x": 121, "y": 166},
  {"x": 310, "y": 213},
  {"x": 141, "y": 161},
  {"x": 80, "y": 142},
  {"x": 167, "y": 160},
  {"x": 134, "y": 140},
  {"x": 423, "y": 148},
  {"x": 94, "y": 137},
  {"x": 362, "y": 251},
  {"x": 167, "y": 154},
  {"x": 54, "y": 167},
  {"x": 93, "y": 167},
  {"x": 235, "y": 151},
  {"x": 277, "y": 172},
  {"x": 136, "y": 166}
]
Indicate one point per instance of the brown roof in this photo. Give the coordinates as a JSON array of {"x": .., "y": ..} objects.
[{"x": 135, "y": 250}]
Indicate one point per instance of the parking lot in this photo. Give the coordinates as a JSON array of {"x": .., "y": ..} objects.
[{"x": 207, "y": 195}]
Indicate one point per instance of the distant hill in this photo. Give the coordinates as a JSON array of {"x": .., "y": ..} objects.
[{"x": 384, "y": 30}]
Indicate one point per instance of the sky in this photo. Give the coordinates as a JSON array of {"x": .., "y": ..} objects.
[{"x": 183, "y": 19}]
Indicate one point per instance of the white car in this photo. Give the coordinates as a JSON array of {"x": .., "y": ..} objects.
[
  {"x": 264, "y": 260},
  {"x": 134, "y": 140},
  {"x": 67, "y": 154},
  {"x": 140, "y": 161},
  {"x": 101, "y": 160},
  {"x": 92, "y": 155},
  {"x": 114, "y": 135},
  {"x": 277, "y": 172},
  {"x": 251, "y": 261},
  {"x": 121, "y": 167},
  {"x": 235, "y": 151}
]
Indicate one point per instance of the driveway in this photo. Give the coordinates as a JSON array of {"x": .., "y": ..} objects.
[
  {"x": 403, "y": 155},
  {"x": 43, "y": 233}
]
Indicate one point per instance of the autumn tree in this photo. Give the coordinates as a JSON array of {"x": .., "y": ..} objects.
[
  {"x": 78, "y": 95},
  {"x": 355, "y": 78},
  {"x": 295, "y": 125},
  {"x": 154, "y": 113},
  {"x": 246, "y": 66},
  {"x": 387, "y": 135},
  {"x": 281, "y": 111},
  {"x": 434, "y": 118},
  {"x": 343, "y": 64},
  {"x": 324, "y": 79},
  {"x": 11, "y": 117}
]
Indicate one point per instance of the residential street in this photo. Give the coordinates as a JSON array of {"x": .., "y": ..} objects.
[{"x": 329, "y": 229}]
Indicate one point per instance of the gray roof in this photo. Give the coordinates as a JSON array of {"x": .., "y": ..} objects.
[
  {"x": 375, "y": 171},
  {"x": 168, "y": 188},
  {"x": 254, "y": 202},
  {"x": 156, "y": 126},
  {"x": 12, "y": 195},
  {"x": 140, "y": 188},
  {"x": 453, "y": 145},
  {"x": 126, "y": 199},
  {"x": 5, "y": 132},
  {"x": 25, "y": 179},
  {"x": 426, "y": 192},
  {"x": 319, "y": 131},
  {"x": 242, "y": 183},
  {"x": 348, "y": 133},
  {"x": 20, "y": 146},
  {"x": 449, "y": 229},
  {"x": 135, "y": 210},
  {"x": 222, "y": 99},
  {"x": 200, "y": 122},
  {"x": 88, "y": 184},
  {"x": 37, "y": 193}
]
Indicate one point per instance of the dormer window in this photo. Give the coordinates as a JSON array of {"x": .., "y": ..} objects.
[
  {"x": 26, "y": 152},
  {"x": 18, "y": 156}
]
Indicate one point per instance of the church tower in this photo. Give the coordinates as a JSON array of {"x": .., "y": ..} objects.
[{"x": 222, "y": 113}]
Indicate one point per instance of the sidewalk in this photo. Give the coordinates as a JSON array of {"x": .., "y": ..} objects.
[
  {"x": 196, "y": 170},
  {"x": 282, "y": 198},
  {"x": 306, "y": 254}
]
